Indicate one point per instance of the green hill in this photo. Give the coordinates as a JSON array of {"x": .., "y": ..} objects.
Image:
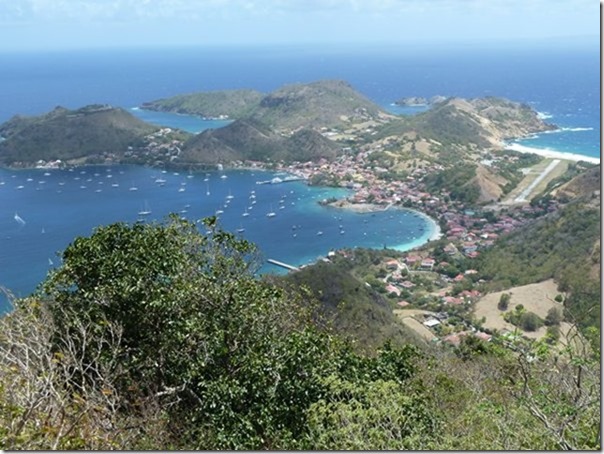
[
  {"x": 70, "y": 134},
  {"x": 480, "y": 122},
  {"x": 325, "y": 103},
  {"x": 356, "y": 311},
  {"x": 213, "y": 104},
  {"x": 252, "y": 140},
  {"x": 564, "y": 245}
]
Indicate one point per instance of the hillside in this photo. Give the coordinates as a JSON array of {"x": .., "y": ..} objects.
[
  {"x": 326, "y": 103},
  {"x": 329, "y": 103},
  {"x": 65, "y": 134},
  {"x": 251, "y": 140},
  {"x": 480, "y": 122},
  {"x": 565, "y": 246},
  {"x": 213, "y": 104},
  {"x": 583, "y": 185},
  {"x": 356, "y": 311}
]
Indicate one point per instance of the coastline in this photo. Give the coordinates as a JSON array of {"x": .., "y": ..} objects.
[
  {"x": 547, "y": 153},
  {"x": 435, "y": 230}
]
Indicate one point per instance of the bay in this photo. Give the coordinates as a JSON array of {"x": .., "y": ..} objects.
[{"x": 43, "y": 210}]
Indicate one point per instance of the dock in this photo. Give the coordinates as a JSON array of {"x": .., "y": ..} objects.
[{"x": 283, "y": 265}]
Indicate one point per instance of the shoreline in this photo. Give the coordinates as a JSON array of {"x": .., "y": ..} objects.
[
  {"x": 435, "y": 231},
  {"x": 548, "y": 153}
]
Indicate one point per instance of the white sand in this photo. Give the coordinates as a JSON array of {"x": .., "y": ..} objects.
[{"x": 547, "y": 153}]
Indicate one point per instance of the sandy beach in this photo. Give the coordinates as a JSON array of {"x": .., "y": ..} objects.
[{"x": 546, "y": 153}]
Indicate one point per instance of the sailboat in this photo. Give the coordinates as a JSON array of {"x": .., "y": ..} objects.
[
  {"x": 145, "y": 211},
  {"x": 245, "y": 213},
  {"x": 271, "y": 213},
  {"x": 207, "y": 188}
]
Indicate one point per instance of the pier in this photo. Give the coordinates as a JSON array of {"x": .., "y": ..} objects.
[{"x": 283, "y": 265}]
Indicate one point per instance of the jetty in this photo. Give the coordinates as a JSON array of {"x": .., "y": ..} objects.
[{"x": 283, "y": 265}]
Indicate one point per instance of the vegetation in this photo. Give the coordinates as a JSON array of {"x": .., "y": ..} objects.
[
  {"x": 504, "y": 302},
  {"x": 511, "y": 170},
  {"x": 527, "y": 321},
  {"x": 251, "y": 140},
  {"x": 558, "y": 246},
  {"x": 90, "y": 132},
  {"x": 457, "y": 180},
  {"x": 355, "y": 310},
  {"x": 317, "y": 104},
  {"x": 232, "y": 103},
  {"x": 153, "y": 336}
]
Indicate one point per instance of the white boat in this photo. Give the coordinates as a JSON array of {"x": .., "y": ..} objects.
[
  {"x": 133, "y": 188},
  {"x": 19, "y": 219},
  {"x": 181, "y": 189},
  {"x": 245, "y": 213},
  {"x": 145, "y": 211},
  {"x": 319, "y": 233},
  {"x": 240, "y": 230},
  {"x": 224, "y": 177}
]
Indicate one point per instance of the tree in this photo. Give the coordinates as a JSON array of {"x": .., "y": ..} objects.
[
  {"x": 231, "y": 360},
  {"x": 529, "y": 321},
  {"x": 43, "y": 403},
  {"x": 504, "y": 302},
  {"x": 553, "y": 317},
  {"x": 374, "y": 404}
]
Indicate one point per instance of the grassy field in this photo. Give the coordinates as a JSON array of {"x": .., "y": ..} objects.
[
  {"x": 406, "y": 316},
  {"x": 537, "y": 298}
]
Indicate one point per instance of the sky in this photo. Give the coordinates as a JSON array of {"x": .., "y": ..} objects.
[{"x": 80, "y": 24}]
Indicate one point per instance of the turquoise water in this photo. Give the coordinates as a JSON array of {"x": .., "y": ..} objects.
[
  {"x": 42, "y": 211},
  {"x": 189, "y": 123}
]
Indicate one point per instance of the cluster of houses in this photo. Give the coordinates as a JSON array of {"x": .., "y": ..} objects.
[{"x": 160, "y": 144}]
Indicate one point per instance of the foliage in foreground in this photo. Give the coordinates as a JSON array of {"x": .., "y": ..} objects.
[{"x": 156, "y": 337}]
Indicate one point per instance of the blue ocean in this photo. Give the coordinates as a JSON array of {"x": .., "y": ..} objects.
[{"x": 41, "y": 212}]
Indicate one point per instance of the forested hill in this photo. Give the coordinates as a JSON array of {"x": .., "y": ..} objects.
[
  {"x": 94, "y": 130},
  {"x": 214, "y": 104},
  {"x": 325, "y": 103},
  {"x": 251, "y": 140}
]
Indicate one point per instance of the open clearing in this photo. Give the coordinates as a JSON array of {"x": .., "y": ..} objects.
[
  {"x": 537, "y": 298},
  {"x": 406, "y": 316}
]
